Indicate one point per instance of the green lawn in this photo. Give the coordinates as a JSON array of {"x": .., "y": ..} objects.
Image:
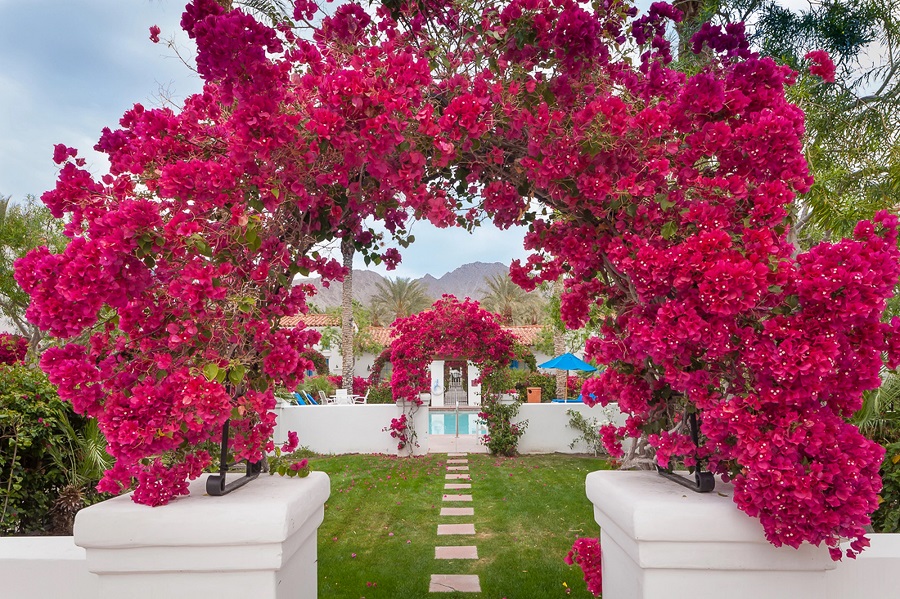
[{"x": 380, "y": 527}]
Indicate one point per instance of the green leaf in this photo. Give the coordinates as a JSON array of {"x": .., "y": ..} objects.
[
  {"x": 236, "y": 374},
  {"x": 211, "y": 371},
  {"x": 775, "y": 289},
  {"x": 669, "y": 229}
]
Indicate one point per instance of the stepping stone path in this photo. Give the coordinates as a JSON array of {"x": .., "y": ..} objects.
[{"x": 459, "y": 583}]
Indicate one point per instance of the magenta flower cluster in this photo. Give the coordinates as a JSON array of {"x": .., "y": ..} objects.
[
  {"x": 13, "y": 348},
  {"x": 452, "y": 329},
  {"x": 586, "y": 554}
]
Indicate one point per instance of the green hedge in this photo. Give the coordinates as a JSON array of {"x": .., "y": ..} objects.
[{"x": 42, "y": 482}]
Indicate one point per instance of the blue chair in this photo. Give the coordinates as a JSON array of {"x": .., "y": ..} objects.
[
  {"x": 310, "y": 399},
  {"x": 301, "y": 401}
]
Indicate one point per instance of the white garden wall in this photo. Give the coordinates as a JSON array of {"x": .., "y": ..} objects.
[
  {"x": 548, "y": 426},
  {"x": 358, "y": 428},
  {"x": 45, "y": 568},
  {"x": 336, "y": 429},
  {"x": 875, "y": 573}
]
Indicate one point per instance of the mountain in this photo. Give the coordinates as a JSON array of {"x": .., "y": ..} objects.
[{"x": 466, "y": 281}]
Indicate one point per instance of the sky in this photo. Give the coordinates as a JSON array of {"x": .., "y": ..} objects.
[{"x": 68, "y": 68}]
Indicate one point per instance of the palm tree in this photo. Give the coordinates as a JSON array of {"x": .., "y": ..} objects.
[
  {"x": 399, "y": 298},
  {"x": 347, "y": 356},
  {"x": 559, "y": 343},
  {"x": 514, "y": 305}
]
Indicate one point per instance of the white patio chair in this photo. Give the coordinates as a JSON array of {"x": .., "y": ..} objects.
[{"x": 361, "y": 399}]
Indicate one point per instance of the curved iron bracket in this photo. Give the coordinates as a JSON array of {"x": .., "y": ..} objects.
[
  {"x": 215, "y": 483},
  {"x": 704, "y": 482}
]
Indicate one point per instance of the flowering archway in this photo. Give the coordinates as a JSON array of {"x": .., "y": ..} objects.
[
  {"x": 662, "y": 197},
  {"x": 453, "y": 329}
]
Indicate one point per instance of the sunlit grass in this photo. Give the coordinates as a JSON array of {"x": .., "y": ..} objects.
[{"x": 380, "y": 527}]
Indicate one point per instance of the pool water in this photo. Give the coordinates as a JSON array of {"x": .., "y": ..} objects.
[{"x": 445, "y": 424}]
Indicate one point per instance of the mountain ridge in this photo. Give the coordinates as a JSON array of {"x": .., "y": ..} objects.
[{"x": 468, "y": 280}]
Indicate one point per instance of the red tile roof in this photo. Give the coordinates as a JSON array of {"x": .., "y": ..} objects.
[
  {"x": 527, "y": 335},
  {"x": 380, "y": 335},
  {"x": 311, "y": 320}
]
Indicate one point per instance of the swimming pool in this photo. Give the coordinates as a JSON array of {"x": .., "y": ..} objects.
[{"x": 444, "y": 423}]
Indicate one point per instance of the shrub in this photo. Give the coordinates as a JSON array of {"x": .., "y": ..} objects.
[
  {"x": 380, "y": 394},
  {"x": 503, "y": 435},
  {"x": 887, "y": 517},
  {"x": 589, "y": 429},
  {"x": 44, "y": 451},
  {"x": 314, "y": 384},
  {"x": 547, "y": 383}
]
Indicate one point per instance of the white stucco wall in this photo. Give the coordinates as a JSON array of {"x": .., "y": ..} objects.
[
  {"x": 335, "y": 429},
  {"x": 45, "y": 568},
  {"x": 548, "y": 426}
]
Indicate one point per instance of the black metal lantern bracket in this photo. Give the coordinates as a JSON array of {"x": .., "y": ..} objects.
[
  {"x": 215, "y": 483},
  {"x": 704, "y": 482}
]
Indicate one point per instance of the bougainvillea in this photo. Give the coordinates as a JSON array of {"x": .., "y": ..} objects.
[
  {"x": 586, "y": 554},
  {"x": 668, "y": 200},
  {"x": 13, "y": 348},
  {"x": 449, "y": 329},
  {"x": 182, "y": 256},
  {"x": 401, "y": 431}
]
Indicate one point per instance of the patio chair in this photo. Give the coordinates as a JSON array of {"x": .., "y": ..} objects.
[
  {"x": 324, "y": 398},
  {"x": 301, "y": 401},
  {"x": 361, "y": 399},
  {"x": 312, "y": 400}
]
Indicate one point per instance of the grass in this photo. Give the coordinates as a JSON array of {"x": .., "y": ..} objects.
[{"x": 380, "y": 528}]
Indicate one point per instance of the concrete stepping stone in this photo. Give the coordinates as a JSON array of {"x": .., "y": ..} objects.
[
  {"x": 457, "y": 498},
  {"x": 457, "y": 461},
  {"x": 457, "y": 455},
  {"x": 457, "y": 468},
  {"x": 457, "y": 511},
  {"x": 456, "y": 529},
  {"x": 457, "y": 486},
  {"x": 456, "y": 552},
  {"x": 458, "y": 583},
  {"x": 457, "y": 477}
]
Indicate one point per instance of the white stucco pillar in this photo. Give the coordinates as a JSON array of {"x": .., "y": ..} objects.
[
  {"x": 258, "y": 541},
  {"x": 664, "y": 541},
  {"x": 438, "y": 384},
  {"x": 474, "y": 390}
]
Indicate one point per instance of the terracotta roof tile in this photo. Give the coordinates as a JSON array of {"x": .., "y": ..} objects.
[
  {"x": 527, "y": 335},
  {"x": 311, "y": 320},
  {"x": 380, "y": 335}
]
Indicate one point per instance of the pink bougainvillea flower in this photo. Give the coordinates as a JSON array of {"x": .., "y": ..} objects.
[{"x": 822, "y": 65}]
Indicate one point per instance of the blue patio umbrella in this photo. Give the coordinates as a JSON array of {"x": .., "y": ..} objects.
[{"x": 567, "y": 362}]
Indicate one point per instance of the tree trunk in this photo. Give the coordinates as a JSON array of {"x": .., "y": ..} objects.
[
  {"x": 347, "y": 357},
  {"x": 559, "y": 345}
]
